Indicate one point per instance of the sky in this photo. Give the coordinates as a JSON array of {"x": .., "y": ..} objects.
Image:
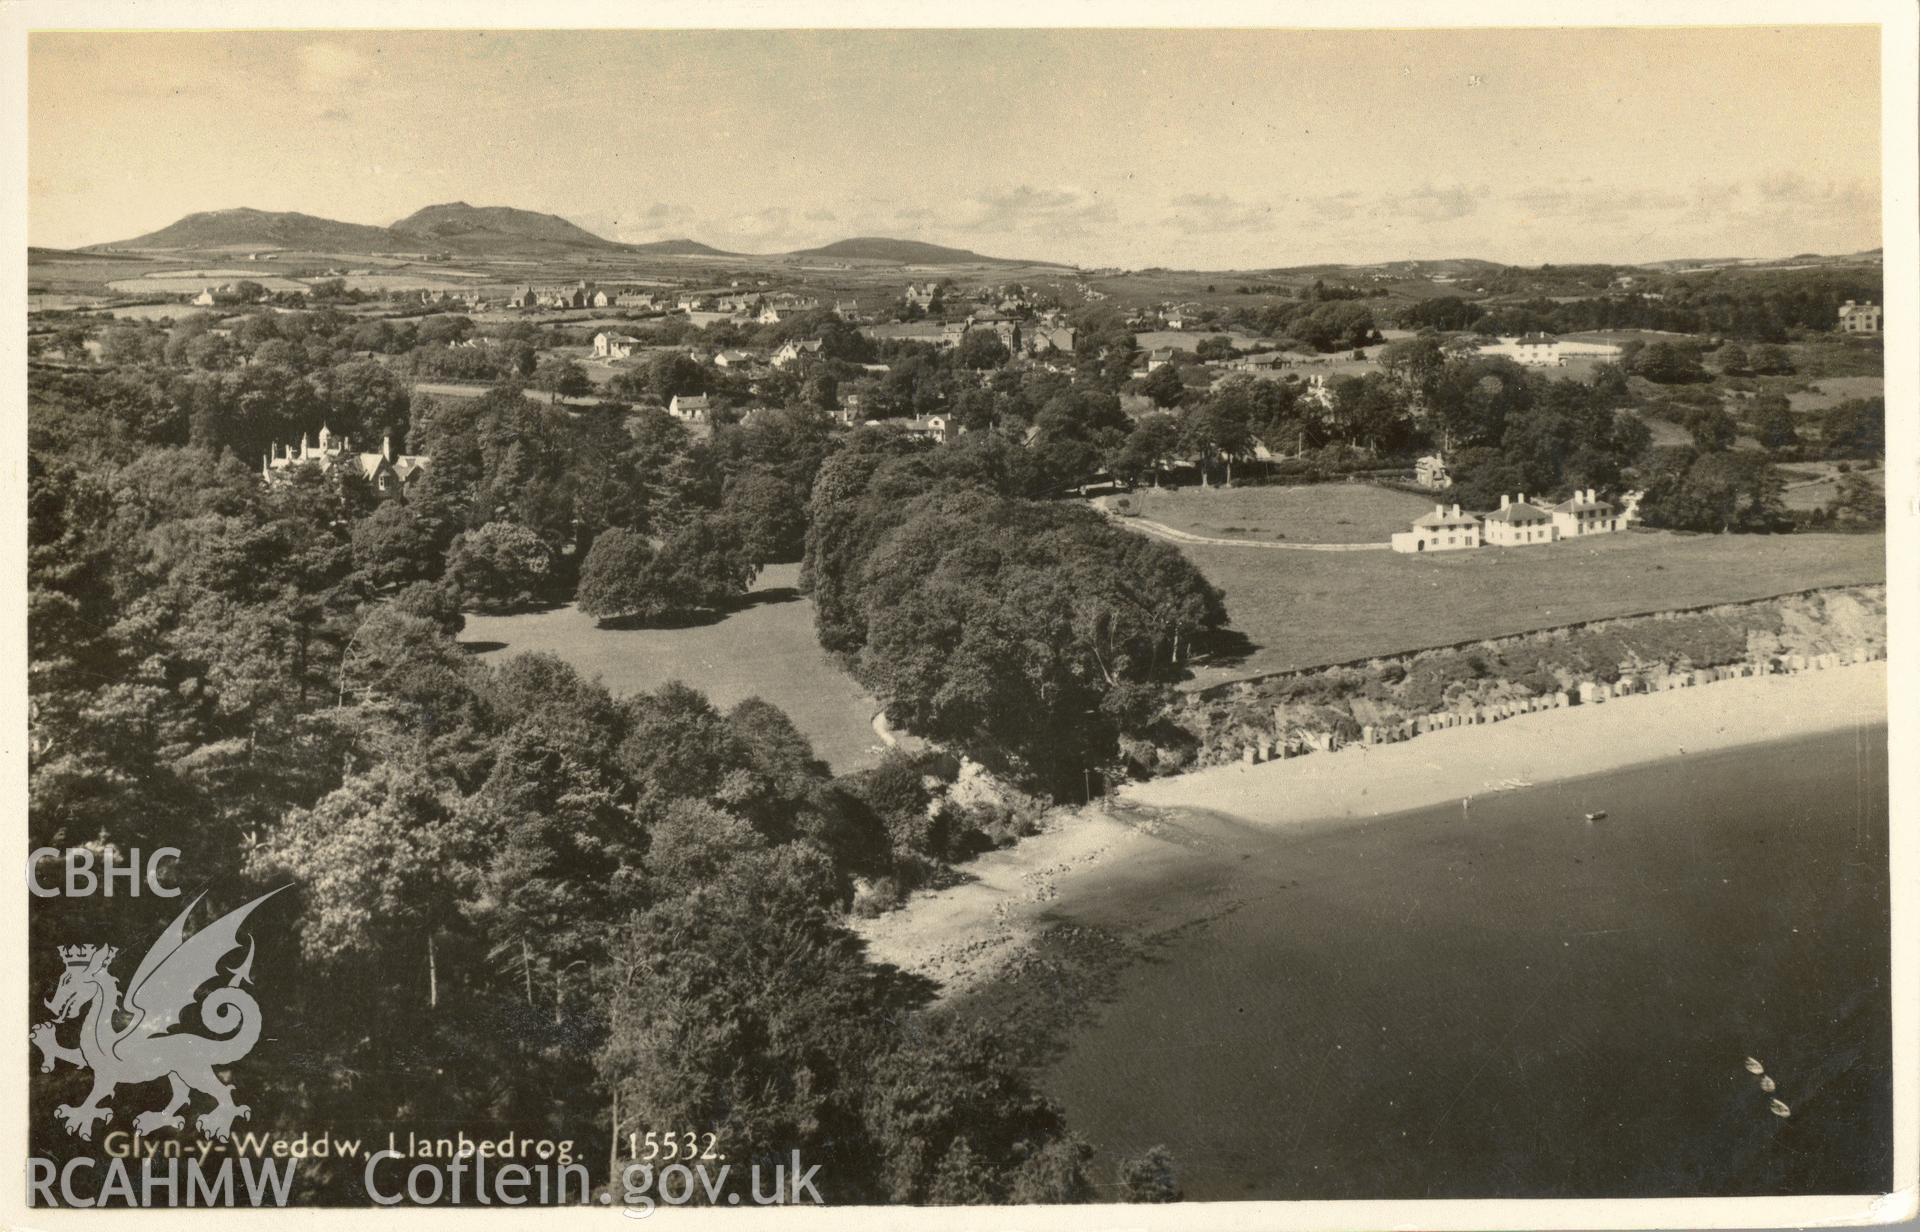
[{"x": 1210, "y": 149}]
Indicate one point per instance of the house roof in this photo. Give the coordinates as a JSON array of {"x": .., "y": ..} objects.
[
  {"x": 1577, "y": 505},
  {"x": 1440, "y": 520},
  {"x": 1521, "y": 511}
]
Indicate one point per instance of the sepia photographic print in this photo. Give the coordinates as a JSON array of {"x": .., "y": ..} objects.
[{"x": 1036, "y": 617}]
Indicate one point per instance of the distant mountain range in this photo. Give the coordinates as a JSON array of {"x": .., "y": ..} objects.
[{"x": 488, "y": 231}]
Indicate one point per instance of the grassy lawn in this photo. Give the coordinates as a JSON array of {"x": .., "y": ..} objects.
[
  {"x": 1816, "y": 495},
  {"x": 1833, "y": 390},
  {"x": 766, "y": 650},
  {"x": 1309, "y": 513},
  {"x": 1301, "y": 609}
]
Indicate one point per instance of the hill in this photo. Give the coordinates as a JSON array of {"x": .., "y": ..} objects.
[
  {"x": 903, "y": 252},
  {"x": 678, "y": 248},
  {"x": 244, "y": 228},
  {"x": 460, "y": 227}
]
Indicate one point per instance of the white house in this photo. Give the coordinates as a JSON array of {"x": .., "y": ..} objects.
[
  {"x": 1584, "y": 514},
  {"x": 614, "y": 346},
  {"x": 1859, "y": 318},
  {"x": 792, "y": 350},
  {"x": 204, "y": 299},
  {"x": 732, "y": 359},
  {"x": 1159, "y": 356},
  {"x": 1547, "y": 351},
  {"x": 1516, "y": 524},
  {"x": 1443, "y": 530},
  {"x": 689, "y": 408}
]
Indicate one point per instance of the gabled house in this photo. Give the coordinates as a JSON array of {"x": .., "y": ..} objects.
[
  {"x": 1859, "y": 318},
  {"x": 1516, "y": 523},
  {"x": 389, "y": 475},
  {"x": 792, "y": 351},
  {"x": 1443, "y": 530},
  {"x": 690, "y": 408},
  {"x": 1584, "y": 514},
  {"x": 614, "y": 346}
]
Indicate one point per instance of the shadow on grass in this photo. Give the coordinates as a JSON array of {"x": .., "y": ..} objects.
[
  {"x": 1226, "y": 648},
  {"x": 769, "y": 597},
  {"x": 480, "y": 648}
]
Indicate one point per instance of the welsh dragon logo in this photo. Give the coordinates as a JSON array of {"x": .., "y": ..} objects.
[{"x": 164, "y": 986}]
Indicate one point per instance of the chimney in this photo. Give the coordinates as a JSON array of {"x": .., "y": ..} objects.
[
  {"x": 1522, "y": 500},
  {"x": 1456, "y": 511},
  {"x": 1505, "y": 500},
  {"x": 1439, "y": 511},
  {"x": 1593, "y": 494},
  {"x": 386, "y": 446}
]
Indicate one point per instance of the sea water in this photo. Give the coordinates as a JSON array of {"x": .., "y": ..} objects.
[{"x": 1510, "y": 1000}]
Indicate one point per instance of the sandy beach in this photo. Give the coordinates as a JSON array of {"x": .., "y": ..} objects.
[{"x": 963, "y": 934}]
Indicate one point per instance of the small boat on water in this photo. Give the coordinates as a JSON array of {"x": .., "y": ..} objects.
[
  {"x": 1597, "y": 815},
  {"x": 1754, "y": 1067},
  {"x": 1778, "y": 1109},
  {"x": 1766, "y": 1083}
]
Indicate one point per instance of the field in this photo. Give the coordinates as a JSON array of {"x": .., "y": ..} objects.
[
  {"x": 1815, "y": 494},
  {"x": 1312, "y": 513},
  {"x": 1188, "y": 339},
  {"x": 195, "y": 283},
  {"x": 1301, "y": 609},
  {"x": 766, "y": 650},
  {"x": 1833, "y": 390}
]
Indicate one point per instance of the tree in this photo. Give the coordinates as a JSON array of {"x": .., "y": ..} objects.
[
  {"x": 1146, "y": 448},
  {"x": 981, "y": 348},
  {"x": 499, "y": 566},
  {"x": 1733, "y": 359},
  {"x": 767, "y": 514},
  {"x": 1773, "y": 422},
  {"x": 1666, "y": 364},
  {"x": 560, "y": 377},
  {"x": 1858, "y": 501},
  {"x": 1164, "y": 386},
  {"x": 703, "y": 566},
  {"x": 614, "y": 580},
  {"x": 1711, "y": 428},
  {"x": 1769, "y": 359}
]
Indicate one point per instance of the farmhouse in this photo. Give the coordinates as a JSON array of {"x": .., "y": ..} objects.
[
  {"x": 1516, "y": 523},
  {"x": 732, "y": 359},
  {"x": 1443, "y": 530},
  {"x": 1583, "y": 514},
  {"x": 1859, "y": 318},
  {"x": 922, "y": 297},
  {"x": 389, "y": 475},
  {"x": 689, "y": 408},
  {"x": 1159, "y": 356}
]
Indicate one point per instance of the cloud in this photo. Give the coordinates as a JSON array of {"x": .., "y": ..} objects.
[
  {"x": 1435, "y": 205},
  {"x": 1210, "y": 213},
  {"x": 821, "y": 216},
  {"x": 1061, "y": 211}
]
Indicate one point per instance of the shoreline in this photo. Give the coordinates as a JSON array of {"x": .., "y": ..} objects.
[{"x": 964, "y": 935}]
